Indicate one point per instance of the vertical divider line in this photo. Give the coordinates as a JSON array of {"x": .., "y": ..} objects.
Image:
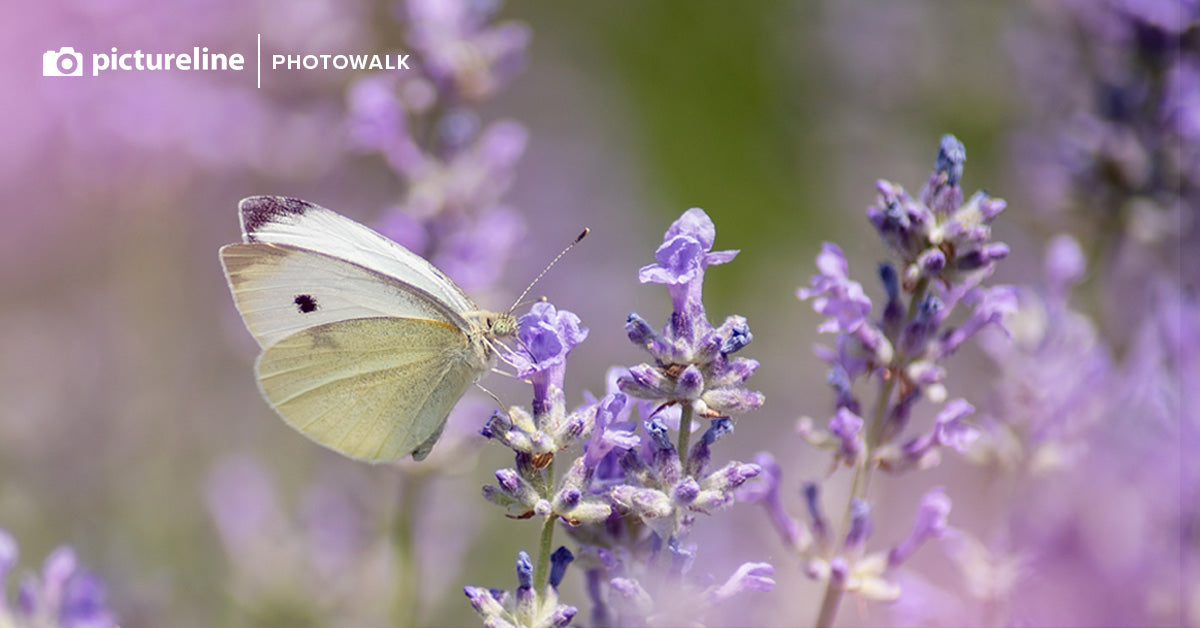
[{"x": 258, "y": 60}]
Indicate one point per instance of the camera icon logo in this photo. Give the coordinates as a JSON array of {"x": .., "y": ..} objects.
[{"x": 65, "y": 62}]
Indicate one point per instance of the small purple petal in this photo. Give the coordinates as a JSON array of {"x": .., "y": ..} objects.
[
  {"x": 748, "y": 577},
  {"x": 930, "y": 523}
]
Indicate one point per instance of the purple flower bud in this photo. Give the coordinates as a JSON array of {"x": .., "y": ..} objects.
[
  {"x": 846, "y": 425},
  {"x": 893, "y": 311},
  {"x": 925, "y": 373},
  {"x": 735, "y": 373},
  {"x": 567, "y": 499},
  {"x": 860, "y": 525},
  {"x": 987, "y": 206},
  {"x": 982, "y": 257},
  {"x": 839, "y": 570},
  {"x": 639, "y": 331},
  {"x": 485, "y": 602},
  {"x": 719, "y": 486},
  {"x": 524, "y": 570},
  {"x": 922, "y": 325},
  {"x": 85, "y": 603},
  {"x": 727, "y": 401},
  {"x": 509, "y": 481},
  {"x": 945, "y": 200},
  {"x": 646, "y": 503},
  {"x": 950, "y": 158},
  {"x": 932, "y": 262},
  {"x": 686, "y": 491},
  {"x": 659, "y": 435},
  {"x": 897, "y": 417},
  {"x": 646, "y": 382},
  {"x": 930, "y": 523},
  {"x": 690, "y": 383},
  {"x": 496, "y": 495},
  {"x": 558, "y": 565},
  {"x": 902, "y": 222},
  {"x": 496, "y": 426},
  {"x": 816, "y": 518},
  {"x": 839, "y": 380},
  {"x": 738, "y": 335},
  {"x": 717, "y": 429},
  {"x": 562, "y": 615}
]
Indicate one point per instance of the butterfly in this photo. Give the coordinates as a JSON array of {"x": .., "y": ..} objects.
[{"x": 366, "y": 347}]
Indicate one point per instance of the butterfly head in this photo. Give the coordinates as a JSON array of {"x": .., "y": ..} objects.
[{"x": 501, "y": 324}]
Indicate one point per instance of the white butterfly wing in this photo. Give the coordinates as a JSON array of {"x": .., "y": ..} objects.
[
  {"x": 281, "y": 290},
  {"x": 298, "y": 223},
  {"x": 375, "y": 389}
]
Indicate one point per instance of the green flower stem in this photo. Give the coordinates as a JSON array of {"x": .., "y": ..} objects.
[
  {"x": 829, "y": 604},
  {"x": 685, "y": 433},
  {"x": 541, "y": 573}
]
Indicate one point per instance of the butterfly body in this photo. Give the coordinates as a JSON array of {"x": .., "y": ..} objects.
[{"x": 366, "y": 346}]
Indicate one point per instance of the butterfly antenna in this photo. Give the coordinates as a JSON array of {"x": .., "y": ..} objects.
[
  {"x": 499, "y": 404},
  {"x": 547, "y": 269}
]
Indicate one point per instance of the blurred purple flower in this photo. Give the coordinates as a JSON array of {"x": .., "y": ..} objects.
[
  {"x": 1114, "y": 127},
  {"x": 65, "y": 594},
  {"x": 326, "y": 552},
  {"x": 930, "y": 523},
  {"x": 636, "y": 594},
  {"x": 454, "y": 168},
  {"x": 461, "y": 51}
]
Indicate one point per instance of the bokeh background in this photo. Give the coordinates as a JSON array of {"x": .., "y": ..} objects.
[{"x": 128, "y": 408}]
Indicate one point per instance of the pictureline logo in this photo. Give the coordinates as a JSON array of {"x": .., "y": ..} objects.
[{"x": 67, "y": 61}]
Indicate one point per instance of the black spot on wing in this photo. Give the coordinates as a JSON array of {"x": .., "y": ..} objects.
[
  {"x": 257, "y": 211},
  {"x": 306, "y": 303}
]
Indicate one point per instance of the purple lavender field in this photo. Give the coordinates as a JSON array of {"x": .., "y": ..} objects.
[{"x": 888, "y": 314}]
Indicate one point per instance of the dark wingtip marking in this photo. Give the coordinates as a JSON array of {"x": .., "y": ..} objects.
[
  {"x": 257, "y": 211},
  {"x": 306, "y": 303}
]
